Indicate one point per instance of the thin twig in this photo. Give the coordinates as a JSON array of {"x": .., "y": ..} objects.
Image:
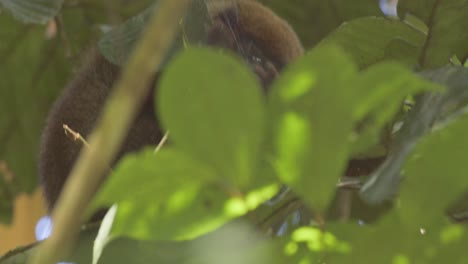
[
  {"x": 353, "y": 184},
  {"x": 344, "y": 204},
  {"x": 162, "y": 142},
  {"x": 75, "y": 136}
]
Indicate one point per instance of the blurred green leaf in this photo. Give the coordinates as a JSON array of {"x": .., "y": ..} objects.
[
  {"x": 365, "y": 246},
  {"x": 447, "y": 34},
  {"x": 430, "y": 108},
  {"x": 373, "y": 39},
  {"x": 381, "y": 89},
  {"x": 315, "y": 19},
  {"x": 311, "y": 139},
  {"x": 159, "y": 196},
  {"x": 215, "y": 112},
  {"x": 33, "y": 11},
  {"x": 169, "y": 195},
  {"x": 117, "y": 44},
  {"x": 430, "y": 168},
  {"x": 311, "y": 119},
  {"x": 33, "y": 71},
  {"x": 235, "y": 242}
]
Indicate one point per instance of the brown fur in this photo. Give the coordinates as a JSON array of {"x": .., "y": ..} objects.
[
  {"x": 245, "y": 27},
  {"x": 78, "y": 107}
]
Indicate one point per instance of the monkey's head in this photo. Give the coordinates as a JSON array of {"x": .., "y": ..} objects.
[{"x": 265, "y": 41}]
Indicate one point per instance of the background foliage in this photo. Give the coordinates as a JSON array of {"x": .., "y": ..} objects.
[{"x": 241, "y": 147}]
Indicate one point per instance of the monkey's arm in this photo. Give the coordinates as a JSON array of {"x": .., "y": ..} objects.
[{"x": 78, "y": 107}]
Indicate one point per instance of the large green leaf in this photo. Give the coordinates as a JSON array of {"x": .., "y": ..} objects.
[
  {"x": 372, "y": 39},
  {"x": 315, "y": 105},
  {"x": 381, "y": 89},
  {"x": 311, "y": 120},
  {"x": 447, "y": 34},
  {"x": 437, "y": 166},
  {"x": 233, "y": 243},
  {"x": 159, "y": 196},
  {"x": 430, "y": 108},
  {"x": 33, "y": 70},
  {"x": 404, "y": 243},
  {"x": 169, "y": 195},
  {"x": 212, "y": 106}
]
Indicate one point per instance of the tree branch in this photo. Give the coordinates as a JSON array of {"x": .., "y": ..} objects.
[{"x": 110, "y": 131}]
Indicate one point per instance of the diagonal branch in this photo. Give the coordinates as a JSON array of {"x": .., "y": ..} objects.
[{"x": 110, "y": 131}]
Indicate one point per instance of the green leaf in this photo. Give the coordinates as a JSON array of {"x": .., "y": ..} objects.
[
  {"x": 430, "y": 108},
  {"x": 117, "y": 44},
  {"x": 311, "y": 143},
  {"x": 310, "y": 107},
  {"x": 33, "y": 11},
  {"x": 399, "y": 239},
  {"x": 213, "y": 108},
  {"x": 447, "y": 34},
  {"x": 33, "y": 71},
  {"x": 452, "y": 102},
  {"x": 314, "y": 20},
  {"x": 452, "y": 240},
  {"x": 372, "y": 39},
  {"x": 169, "y": 195},
  {"x": 159, "y": 196},
  {"x": 380, "y": 90},
  {"x": 437, "y": 166},
  {"x": 235, "y": 242}
]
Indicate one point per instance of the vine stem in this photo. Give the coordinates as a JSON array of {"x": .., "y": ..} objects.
[{"x": 120, "y": 109}]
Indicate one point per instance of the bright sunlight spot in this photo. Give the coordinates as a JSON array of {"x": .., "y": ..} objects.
[
  {"x": 291, "y": 248},
  {"x": 235, "y": 206},
  {"x": 257, "y": 197},
  {"x": 318, "y": 240},
  {"x": 306, "y": 234},
  {"x": 451, "y": 233},
  {"x": 401, "y": 259},
  {"x": 293, "y": 139},
  {"x": 301, "y": 83}
]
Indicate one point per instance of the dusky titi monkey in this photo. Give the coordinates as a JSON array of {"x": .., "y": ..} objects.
[{"x": 262, "y": 39}]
